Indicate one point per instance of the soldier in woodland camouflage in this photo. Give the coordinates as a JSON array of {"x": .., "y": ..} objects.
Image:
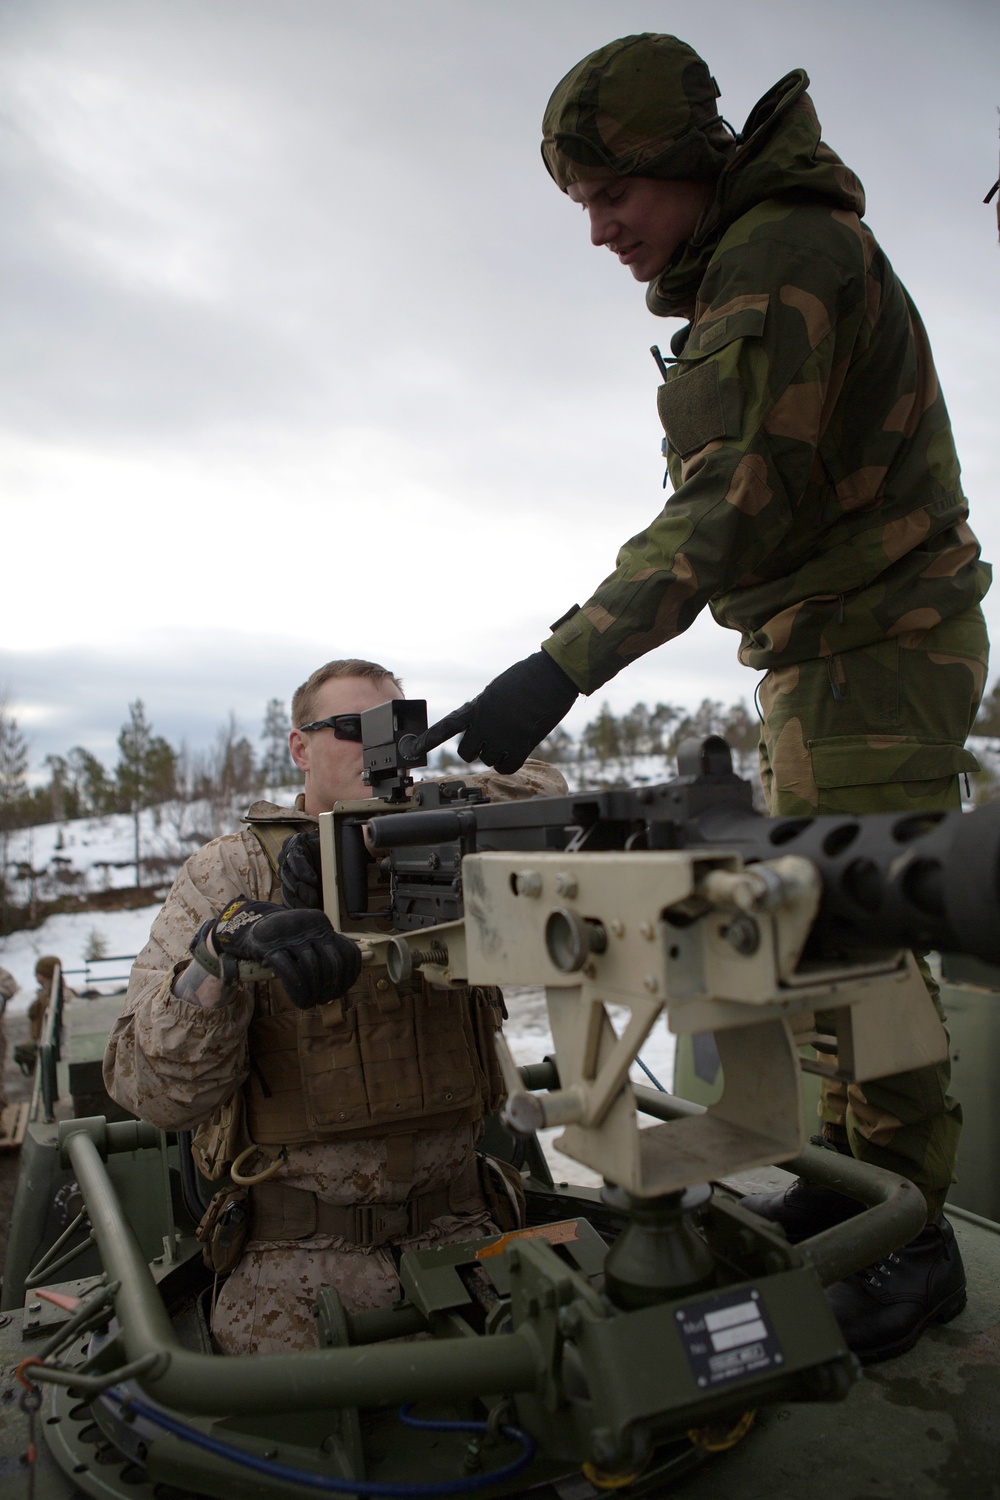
[{"x": 817, "y": 507}]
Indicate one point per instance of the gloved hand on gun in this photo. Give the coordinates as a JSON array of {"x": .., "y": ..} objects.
[
  {"x": 510, "y": 716},
  {"x": 255, "y": 939}
]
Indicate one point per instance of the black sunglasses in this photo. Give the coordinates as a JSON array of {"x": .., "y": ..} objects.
[{"x": 344, "y": 726}]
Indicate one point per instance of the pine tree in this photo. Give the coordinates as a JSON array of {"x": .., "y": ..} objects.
[
  {"x": 277, "y": 767},
  {"x": 146, "y": 771},
  {"x": 988, "y": 720},
  {"x": 13, "y": 789},
  {"x": 13, "y": 767},
  {"x": 59, "y": 791},
  {"x": 602, "y": 738},
  {"x": 92, "y": 791},
  {"x": 556, "y": 748}
]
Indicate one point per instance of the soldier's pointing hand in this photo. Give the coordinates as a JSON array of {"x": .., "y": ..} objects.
[{"x": 515, "y": 712}]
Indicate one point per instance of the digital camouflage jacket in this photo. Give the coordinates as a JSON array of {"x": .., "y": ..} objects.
[{"x": 816, "y": 502}]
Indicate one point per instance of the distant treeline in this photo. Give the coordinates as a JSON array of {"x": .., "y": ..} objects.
[
  {"x": 148, "y": 771},
  {"x": 612, "y": 746}
]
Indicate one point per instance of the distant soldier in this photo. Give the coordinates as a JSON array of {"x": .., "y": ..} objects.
[
  {"x": 44, "y": 973},
  {"x": 8, "y": 989},
  {"x": 26, "y": 1053},
  {"x": 816, "y": 509}
]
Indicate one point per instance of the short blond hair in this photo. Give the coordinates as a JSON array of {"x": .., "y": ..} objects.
[{"x": 304, "y": 697}]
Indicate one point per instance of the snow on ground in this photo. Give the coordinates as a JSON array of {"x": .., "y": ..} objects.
[
  {"x": 529, "y": 1039},
  {"x": 98, "y": 854},
  {"x": 69, "y": 936}
]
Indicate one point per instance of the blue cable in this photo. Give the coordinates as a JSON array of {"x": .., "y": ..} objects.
[
  {"x": 330, "y": 1482},
  {"x": 651, "y": 1076}
]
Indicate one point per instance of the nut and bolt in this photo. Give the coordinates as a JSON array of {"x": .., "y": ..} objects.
[{"x": 742, "y": 934}]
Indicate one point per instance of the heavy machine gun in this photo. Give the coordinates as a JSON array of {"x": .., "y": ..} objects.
[
  {"x": 773, "y": 934},
  {"x": 629, "y": 1331}
]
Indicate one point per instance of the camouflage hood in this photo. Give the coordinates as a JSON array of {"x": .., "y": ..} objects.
[
  {"x": 779, "y": 154},
  {"x": 643, "y": 106}
]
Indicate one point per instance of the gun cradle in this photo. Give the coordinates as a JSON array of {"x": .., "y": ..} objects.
[{"x": 716, "y": 946}]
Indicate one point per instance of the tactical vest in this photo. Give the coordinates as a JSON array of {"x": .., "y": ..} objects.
[{"x": 383, "y": 1060}]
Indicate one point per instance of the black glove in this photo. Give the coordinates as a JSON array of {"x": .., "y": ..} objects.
[
  {"x": 300, "y": 948},
  {"x": 300, "y": 871},
  {"x": 516, "y": 711}
]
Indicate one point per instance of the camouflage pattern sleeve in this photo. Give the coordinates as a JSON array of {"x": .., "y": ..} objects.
[
  {"x": 168, "y": 1060},
  {"x": 817, "y": 505},
  {"x": 536, "y": 778}
]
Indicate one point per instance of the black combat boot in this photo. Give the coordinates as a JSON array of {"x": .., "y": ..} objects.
[
  {"x": 803, "y": 1209},
  {"x": 883, "y": 1310}
]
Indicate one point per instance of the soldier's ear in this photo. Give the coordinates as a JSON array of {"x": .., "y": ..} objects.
[{"x": 298, "y": 747}]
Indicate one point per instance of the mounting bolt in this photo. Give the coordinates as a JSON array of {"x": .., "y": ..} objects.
[
  {"x": 566, "y": 885},
  {"x": 651, "y": 983},
  {"x": 646, "y": 931},
  {"x": 617, "y": 927},
  {"x": 527, "y": 883},
  {"x": 743, "y": 934}
]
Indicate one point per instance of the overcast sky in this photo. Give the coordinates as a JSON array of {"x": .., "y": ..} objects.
[{"x": 303, "y": 355}]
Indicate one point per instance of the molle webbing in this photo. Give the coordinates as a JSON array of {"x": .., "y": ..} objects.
[
  {"x": 286, "y": 1213},
  {"x": 378, "y": 1062}
]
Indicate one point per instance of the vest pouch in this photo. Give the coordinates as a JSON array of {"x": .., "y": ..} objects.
[
  {"x": 389, "y": 1053},
  {"x": 331, "y": 1070},
  {"x": 273, "y": 1090},
  {"x": 448, "y": 1065},
  {"x": 223, "y": 1229},
  {"x": 220, "y": 1139}
]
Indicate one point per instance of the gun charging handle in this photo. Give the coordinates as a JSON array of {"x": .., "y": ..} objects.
[{"x": 401, "y": 959}]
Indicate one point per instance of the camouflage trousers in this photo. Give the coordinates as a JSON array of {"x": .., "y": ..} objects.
[
  {"x": 266, "y": 1305},
  {"x": 882, "y": 730}
]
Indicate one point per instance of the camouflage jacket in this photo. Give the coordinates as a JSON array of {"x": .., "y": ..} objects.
[{"x": 816, "y": 502}]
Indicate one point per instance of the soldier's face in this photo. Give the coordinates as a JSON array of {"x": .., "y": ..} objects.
[
  {"x": 333, "y": 767},
  {"x": 642, "y": 220}
]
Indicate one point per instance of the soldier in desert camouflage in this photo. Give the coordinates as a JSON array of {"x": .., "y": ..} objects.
[
  {"x": 816, "y": 509},
  {"x": 356, "y": 1104}
]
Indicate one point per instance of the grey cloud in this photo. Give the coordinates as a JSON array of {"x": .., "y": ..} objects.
[{"x": 302, "y": 218}]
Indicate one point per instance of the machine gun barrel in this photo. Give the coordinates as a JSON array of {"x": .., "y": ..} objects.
[
  {"x": 436, "y": 826},
  {"x": 889, "y": 880},
  {"x": 912, "y": 880}
]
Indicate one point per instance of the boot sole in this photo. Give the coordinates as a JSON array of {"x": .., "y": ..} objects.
[{"x": 943, "y": 1313}]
